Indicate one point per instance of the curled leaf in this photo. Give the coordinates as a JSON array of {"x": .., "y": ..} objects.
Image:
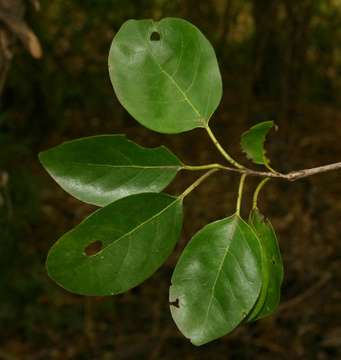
[
  {"x": 252, "y": 142},
  {"x": 272, "y": 267}
]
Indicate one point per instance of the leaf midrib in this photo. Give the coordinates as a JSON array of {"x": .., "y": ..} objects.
[
  {"x": 170, "y": 77},
  {"x": 141, "y": 224},
  {"x": 126, "y": 166},
  {"x": 215, "y": 281},
  {"x": 137, "y": 227},
  {"x": 85, "y": 263}
]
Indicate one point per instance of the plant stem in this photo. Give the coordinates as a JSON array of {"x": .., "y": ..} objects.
[
  {"x": 197, "y": 183},
  {"x": 203, "y": 167},
  {"x": 257, "y": 191},
  {"x": 221, "y": 149},
  {"x": 270, "y": 168},
  {"x": 240, "y": 193},
  {"x": 291, "y": 176}
]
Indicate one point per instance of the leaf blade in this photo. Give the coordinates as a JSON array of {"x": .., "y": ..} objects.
[
  {"x": 216, "y": 281},
  {"x": 272, "y": 261},
  {"x": 171, "y": 85},
  {"x": 101, "y": 169},
  {"x": 252, "y": 142},
  {"x": 134, "y": 246}
]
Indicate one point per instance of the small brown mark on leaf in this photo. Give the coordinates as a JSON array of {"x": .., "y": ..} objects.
[
  {"x": 93, "y": 248},
  {"x": 175, "y": 303}
]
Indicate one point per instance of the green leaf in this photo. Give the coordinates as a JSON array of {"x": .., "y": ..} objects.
[
  {"x": 134, "y": 236},
  {"x": 252, "y": 142},
  {"x": 272, "y": 267},
  {"x": 101, "y": 169},
  {"x": 165, "y": 73},
  {"x": 216, "y": 281}
]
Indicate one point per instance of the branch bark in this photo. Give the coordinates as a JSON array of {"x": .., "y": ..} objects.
[
  {"x": 291, "y": 176},
  {"x": 13, "y": 27}
]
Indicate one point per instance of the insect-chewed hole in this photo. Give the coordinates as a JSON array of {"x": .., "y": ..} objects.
[
  {"x": 175, "y": 303},
  {"x": 155, "y": 36},
  {"x": 93, "y": 248}
]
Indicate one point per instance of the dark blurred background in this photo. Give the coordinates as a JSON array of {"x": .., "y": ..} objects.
[{"x": 280, "y": 60}]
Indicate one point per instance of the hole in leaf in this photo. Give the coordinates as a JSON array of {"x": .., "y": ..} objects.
[
  {"x": 175, "y": 303},
  {"x": 273, "y": 261},
  {"x": 155, "y": 36},
  {"x": 93, "y": 248}
]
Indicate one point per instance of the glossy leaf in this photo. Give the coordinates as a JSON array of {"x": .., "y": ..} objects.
[
  {"x": 272, "y": 267},
  {"x": 165, "y": 73},
  {"x": 252, "y": 142},
  {"x": 101, "y": 169},
  {"x": 216, "y": 281},
  {"x": 135, "y": 236}
]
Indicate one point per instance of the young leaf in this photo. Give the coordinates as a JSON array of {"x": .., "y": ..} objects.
[
  {"x": 101, "y": 169},
  {"x": 252, "y": 142},
  {"x": 117, "y": 247},
  {"x": 216, "y": 281},
  {"x": 165, "y": 73},
  {"x": 272, "y": 267}
]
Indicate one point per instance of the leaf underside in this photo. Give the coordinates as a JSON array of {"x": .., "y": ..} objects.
[
  {"x": 252, "y": 142},
  {"x": 170, "y": 84},
  {"x": 101, "y": 169},
  {"x": 272, "y": 267},
  {"x": 136, "y": 233},
  {"x": 216, "y": 281}
]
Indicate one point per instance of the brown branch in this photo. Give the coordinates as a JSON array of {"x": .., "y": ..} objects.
[
  {"x": 291, "y": 176},
  {"x": 296, "y": 175},
  {"x": 25, "y": 34},
  {"x": 21, "y": 30}
]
